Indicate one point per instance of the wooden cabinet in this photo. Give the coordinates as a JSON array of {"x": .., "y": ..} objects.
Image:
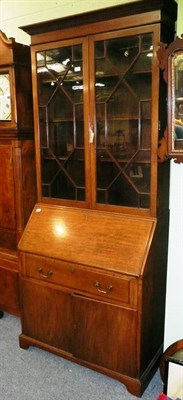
[
  {"x": 17, "y": 157},
  {"x": 93, "y": 254},
  {"x": 88, "y": 278}
]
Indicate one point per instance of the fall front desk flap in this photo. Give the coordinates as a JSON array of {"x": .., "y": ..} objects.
[{"x": 112, "y": 241}]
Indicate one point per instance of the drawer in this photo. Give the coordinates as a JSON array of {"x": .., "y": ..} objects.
[{"x": 82, "y": 278}]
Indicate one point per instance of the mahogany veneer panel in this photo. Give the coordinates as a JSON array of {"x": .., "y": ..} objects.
[
  {"x": 99, "y": 239},
  {"x": 9, "y": 282}
]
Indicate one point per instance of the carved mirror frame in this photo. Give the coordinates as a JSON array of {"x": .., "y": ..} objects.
[{"x": 171, "y": 62}]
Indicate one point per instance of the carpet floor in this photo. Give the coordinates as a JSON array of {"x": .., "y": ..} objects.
[{"x": 35, "y": 374}]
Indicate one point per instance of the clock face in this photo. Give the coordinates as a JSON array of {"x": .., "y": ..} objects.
[{"x": 5, "y": 98}]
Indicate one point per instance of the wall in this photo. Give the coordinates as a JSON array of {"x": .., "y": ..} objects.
[{"x": 15, "y": 13}]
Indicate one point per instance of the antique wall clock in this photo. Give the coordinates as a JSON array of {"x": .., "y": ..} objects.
[{"x": 15, "y": 89}]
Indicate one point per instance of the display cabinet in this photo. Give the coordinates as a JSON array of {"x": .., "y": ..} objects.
[
  {"x": 95, "y": 248},
  {"x": 117, "y": 170},
  {"x": 17, "y": 172}
]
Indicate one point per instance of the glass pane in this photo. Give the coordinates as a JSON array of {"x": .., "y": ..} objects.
[
  {"x": 60, "y": 92},
  {"x": 5, "y": 97},
  {"x": 123, "y": 85}
]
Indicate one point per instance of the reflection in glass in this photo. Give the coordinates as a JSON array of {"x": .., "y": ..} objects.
[{"x": 177, "y": 100}]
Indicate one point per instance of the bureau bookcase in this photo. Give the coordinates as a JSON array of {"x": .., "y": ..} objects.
[{"x": 94, "y": 252}]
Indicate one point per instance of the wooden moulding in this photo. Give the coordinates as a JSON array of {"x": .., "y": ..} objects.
[{"x": 109, "y": 13}]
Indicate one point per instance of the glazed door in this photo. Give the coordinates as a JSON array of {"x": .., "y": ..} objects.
[
  {"x": 97, "y": 145},
  {"x": 62, "y": 118},
  {"x": 105, "y": 335},
  {"x": 124, "y": 86}
]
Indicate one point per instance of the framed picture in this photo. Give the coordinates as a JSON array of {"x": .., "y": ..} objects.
[{"x": 174, "y": 382}]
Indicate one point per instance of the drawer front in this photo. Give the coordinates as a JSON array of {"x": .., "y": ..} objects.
[{"x": 76, "y": 277}]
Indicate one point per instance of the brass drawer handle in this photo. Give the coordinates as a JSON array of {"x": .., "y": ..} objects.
[
  {"x": 41, "y": 273},
  {"x": 98, "y": 285}
]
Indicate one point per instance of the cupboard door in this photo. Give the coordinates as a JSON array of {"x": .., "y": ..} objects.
[
  {"x": 47, "y": 315},
  {"x": 7, "y": 190},
  {"x": 9, "y": 289},
  {"x": 122, "y": 72},
  {"x": 105, "y": 335},
  {"x": 61, "y": 79}
]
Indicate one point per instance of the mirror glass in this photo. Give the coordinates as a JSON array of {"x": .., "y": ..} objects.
[{"x": 177, "y": 101}]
